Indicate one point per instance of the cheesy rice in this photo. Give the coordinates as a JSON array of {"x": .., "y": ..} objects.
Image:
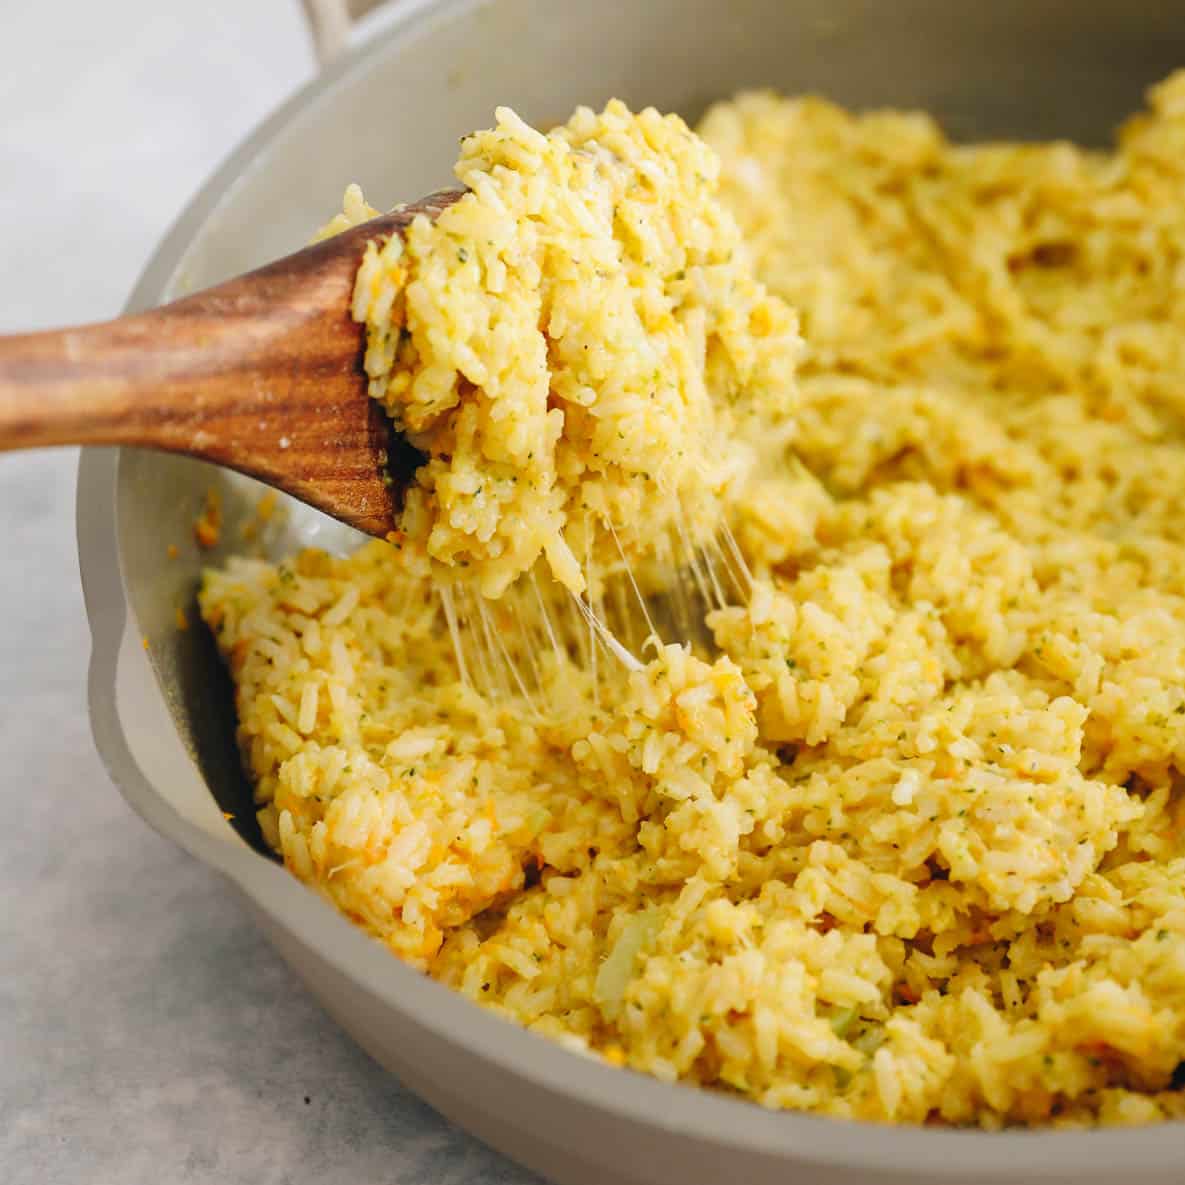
[
  {"x": 578, "y": 341},
  {"x": 905, "y": 840}
]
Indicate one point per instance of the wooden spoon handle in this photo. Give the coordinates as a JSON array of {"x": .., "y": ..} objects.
[
  {"x": 262, "y": 374},
  {"x": 204, "y": 374}
]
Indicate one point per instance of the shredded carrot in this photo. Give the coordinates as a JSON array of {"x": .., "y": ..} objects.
[
  {"x": 1034, "y": 1104},
  {"x": 207, "y": 528}
]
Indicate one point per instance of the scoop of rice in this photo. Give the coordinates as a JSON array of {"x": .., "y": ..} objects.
[{"x": 577, "y": 345}]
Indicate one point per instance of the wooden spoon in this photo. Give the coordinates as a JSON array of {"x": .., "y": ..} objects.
[{"x": 262, "y": 374}]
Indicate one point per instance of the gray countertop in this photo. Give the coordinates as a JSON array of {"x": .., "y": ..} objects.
[{"x": 146, "y": 1034}]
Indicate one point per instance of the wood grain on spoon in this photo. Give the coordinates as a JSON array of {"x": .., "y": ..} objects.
[{"x": 262, "y": 374}]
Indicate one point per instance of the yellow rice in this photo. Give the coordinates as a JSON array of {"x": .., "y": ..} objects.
[
  {"x": 579, "y": 339},
  {"x": 908, "y": 843}
]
